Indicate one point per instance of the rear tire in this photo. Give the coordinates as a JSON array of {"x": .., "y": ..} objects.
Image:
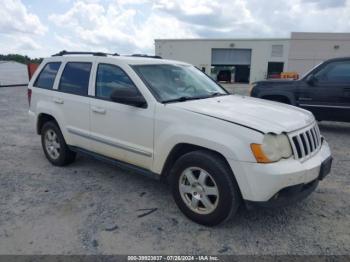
[
  {"x": 204, "y": 188},
  {"x": 54, "y": 145}
]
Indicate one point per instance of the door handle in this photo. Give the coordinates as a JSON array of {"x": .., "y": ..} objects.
[
  {"x": 58, "y": 100},
  {"x": 98, "y": 110}
]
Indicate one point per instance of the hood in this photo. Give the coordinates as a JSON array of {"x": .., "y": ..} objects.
[{"x": 262, "y": 115}]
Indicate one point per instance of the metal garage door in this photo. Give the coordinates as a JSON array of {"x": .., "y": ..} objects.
[{"x": 230, "y": 56}]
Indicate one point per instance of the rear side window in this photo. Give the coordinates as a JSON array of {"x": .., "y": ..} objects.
[
  {"x": 47, "y": 76},
  {"x": 75, "y": 78},
  {"x": 110, "y": 78}
]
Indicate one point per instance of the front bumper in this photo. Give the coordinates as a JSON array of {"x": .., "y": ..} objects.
[
  {"x": 285, "y": 196},
  {"x": 282, "y": 182}
]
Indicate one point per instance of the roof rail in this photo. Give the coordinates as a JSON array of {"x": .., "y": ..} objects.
[
  {"x": 147, "y": 56},
  {"x": 64, "y": 52}
]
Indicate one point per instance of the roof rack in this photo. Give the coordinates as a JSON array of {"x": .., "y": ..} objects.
[
  {"x": 64, "y": 52},
  {"x": 147, "y": 56}
]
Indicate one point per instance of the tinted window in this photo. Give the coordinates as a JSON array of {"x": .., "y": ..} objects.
[
  {"x": 335, "y": 72},
  {"x": 47, "y": 76},
  {"x": 110, "y": 78},
  {"x": 75, "y": 78}
]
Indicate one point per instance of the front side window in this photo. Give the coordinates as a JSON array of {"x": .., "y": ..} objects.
[
  {"x": 110, "y": 78},
  {"x": 75, "y": 78},
  {"x": 47, "y": 76},
  {"x": 178, "y": 82},
  {"x": 335, "y": 72}
]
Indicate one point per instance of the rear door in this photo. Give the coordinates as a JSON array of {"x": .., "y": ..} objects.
[
  {"x": 329, "y": 96},
  {"x": 42, "y": 94},
  {"x": 72, "y": 102}
]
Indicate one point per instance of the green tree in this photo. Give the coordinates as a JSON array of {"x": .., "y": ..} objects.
[{"x": 24, "y": 59}]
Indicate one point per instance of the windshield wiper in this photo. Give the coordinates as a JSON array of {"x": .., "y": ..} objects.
[
  {"x": 186, "y": 98},
  {"x": 183, "y": 99},
  {"x": 217, "y": 94}
]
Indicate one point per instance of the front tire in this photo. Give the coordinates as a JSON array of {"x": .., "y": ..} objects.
[
  {"x": 204, "y": 188},
  {"x": 54, "y": 145}
]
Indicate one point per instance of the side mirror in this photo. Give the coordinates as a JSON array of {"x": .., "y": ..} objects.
[
  {"x": 128, "y": 97},
  {"x": 311, "y": 80}
]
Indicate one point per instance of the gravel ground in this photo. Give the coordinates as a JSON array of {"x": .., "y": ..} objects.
[{"x": 91, "y": 207}]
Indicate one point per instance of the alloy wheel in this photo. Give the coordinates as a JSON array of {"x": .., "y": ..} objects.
[
  {"x": 198, "y": 190},
  {"x": 52, "y": 144}
]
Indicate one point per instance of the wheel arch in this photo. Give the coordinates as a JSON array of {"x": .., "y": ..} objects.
[
  {"x": 42, "y": 119},
  {"x": 183, "y": 148},
  {"x": 179, "y": 150}
]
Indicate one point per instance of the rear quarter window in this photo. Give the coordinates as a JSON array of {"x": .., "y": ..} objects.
[
  {"x": 47, "y": 75},
  {"x": 75, "y": 78}
]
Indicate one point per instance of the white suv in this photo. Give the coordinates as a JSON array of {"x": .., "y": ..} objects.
[{"x": 169, "y": 120}]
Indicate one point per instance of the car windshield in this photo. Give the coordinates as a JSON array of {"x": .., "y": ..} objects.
[{"x": 172, "y": 83}]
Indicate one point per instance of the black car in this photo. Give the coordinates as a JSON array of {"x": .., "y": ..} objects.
[{"x": 325, "y": 90}]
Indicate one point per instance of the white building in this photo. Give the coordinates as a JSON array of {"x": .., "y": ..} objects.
[
  {"x": 13, "y": 73},
  {"x": 249, "y": 60}
]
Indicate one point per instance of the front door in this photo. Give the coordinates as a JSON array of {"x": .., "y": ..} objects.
[
  {"x": 120, "y": 131},
  {"x": 328, "y": 96}
]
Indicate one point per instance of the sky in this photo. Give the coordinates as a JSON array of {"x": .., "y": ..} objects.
[{"x": 42, "y": 28}]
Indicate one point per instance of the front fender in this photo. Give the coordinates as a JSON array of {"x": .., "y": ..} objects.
[
  {"x": 230, "y": 140},
  {"x": 290, "y": 96}
]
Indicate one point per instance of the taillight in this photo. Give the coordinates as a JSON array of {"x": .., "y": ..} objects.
[{"x": 29, "y": 94}]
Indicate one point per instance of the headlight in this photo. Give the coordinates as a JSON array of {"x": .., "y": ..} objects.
[{"x": 273, "y": 148}]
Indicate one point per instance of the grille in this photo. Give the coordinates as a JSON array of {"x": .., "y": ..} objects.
[{"x": 306, "y": 142}]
